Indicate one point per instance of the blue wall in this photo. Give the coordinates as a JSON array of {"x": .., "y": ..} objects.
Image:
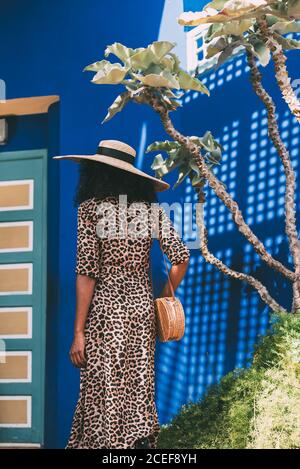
[
  {"x": 44, "y": 46},
  {"x": 225, "y": 317},
  {"x": 228, "y": 315}
]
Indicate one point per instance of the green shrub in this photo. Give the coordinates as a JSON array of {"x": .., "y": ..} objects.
[{"x": 257, "y": 407}]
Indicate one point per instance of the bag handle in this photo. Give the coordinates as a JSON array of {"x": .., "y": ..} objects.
[{"x": 167, "y": 271}]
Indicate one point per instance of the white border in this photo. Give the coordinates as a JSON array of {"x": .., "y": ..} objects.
[
  {"x": 19, "y": 223},
  {"x": 20, "y": 353},
  {"x": 29, "y": 322},
  {"x": 19, "y": 266},
  {"x": 16, "y": 182},
  {"x": 20, "y": 445},
  {"x": 29, "y": 406}
]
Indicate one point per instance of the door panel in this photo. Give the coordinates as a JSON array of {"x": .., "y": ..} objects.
[{"x": 23, "y": 241}]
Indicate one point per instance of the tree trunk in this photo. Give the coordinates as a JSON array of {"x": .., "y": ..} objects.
[
  {"x": 214, "y": 183},
  {"x": 290, "y": 179},
  {"x": 281, "y": 74},
  {"x": 211, "y": 259}
]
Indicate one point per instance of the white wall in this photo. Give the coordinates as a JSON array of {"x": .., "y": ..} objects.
[{"x": 170, "y": 29}]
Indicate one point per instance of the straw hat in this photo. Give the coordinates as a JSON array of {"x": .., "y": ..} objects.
[{"x": 118, "y": 154}]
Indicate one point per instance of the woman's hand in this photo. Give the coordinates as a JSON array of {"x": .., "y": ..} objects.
[
  {"x": 85, "y": 286},
  {"x": 76, "y": 353}
]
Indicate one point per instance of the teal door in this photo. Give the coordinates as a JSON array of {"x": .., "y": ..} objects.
[{"x": 23, "y": 252}]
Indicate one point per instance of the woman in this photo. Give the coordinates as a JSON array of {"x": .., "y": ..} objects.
[{"x": 114, "y": 329}]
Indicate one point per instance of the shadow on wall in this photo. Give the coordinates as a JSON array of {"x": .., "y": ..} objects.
[{"x": 224, "y": 316}]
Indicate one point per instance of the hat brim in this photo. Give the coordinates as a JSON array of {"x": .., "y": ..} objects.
[{"x": 158, "y": 184}]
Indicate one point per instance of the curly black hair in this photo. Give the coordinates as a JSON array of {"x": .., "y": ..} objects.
[{"x": 101, "y": 180}]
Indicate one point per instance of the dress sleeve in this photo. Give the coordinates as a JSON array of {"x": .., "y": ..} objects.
[
  {"x": 88, "y": 246},
  {"x": 172, "y": 245}
]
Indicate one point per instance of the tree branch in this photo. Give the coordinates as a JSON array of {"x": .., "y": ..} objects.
[
  {"x": 211, "y": 259},
  {"x": 290, "y": 179},
  {"x": 281, "y": 73},
  {"x": 214, "y": 183}
]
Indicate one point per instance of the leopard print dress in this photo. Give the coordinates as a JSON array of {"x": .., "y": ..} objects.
[{"x": 116, "y": 403}]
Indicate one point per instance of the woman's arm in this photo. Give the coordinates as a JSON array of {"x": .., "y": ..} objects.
[
  {"x": 176, "y": 250},
  {"x": 84, "y": 292},
  {"x": 177, "y": 272}
]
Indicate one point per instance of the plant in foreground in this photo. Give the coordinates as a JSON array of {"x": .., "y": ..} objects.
[{"x": 258, "y": 407}]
